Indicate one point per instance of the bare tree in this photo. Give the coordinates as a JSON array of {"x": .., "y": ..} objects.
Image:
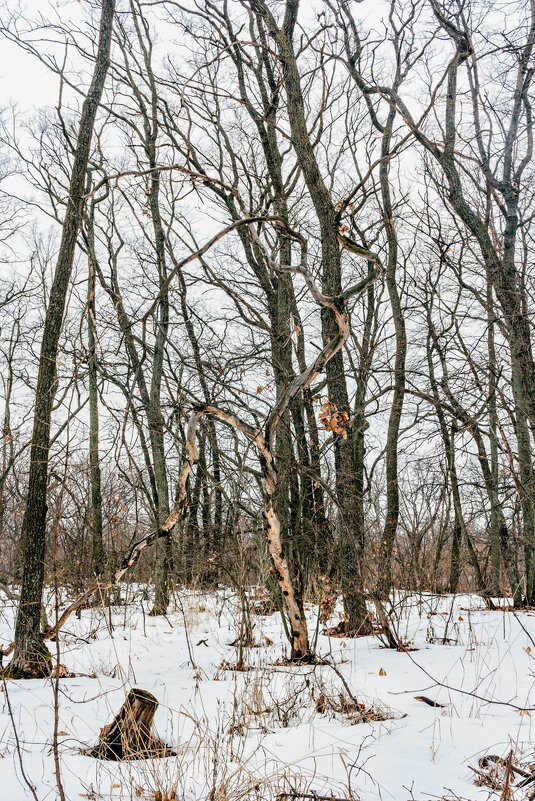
[{"x": 31, "y": 657}]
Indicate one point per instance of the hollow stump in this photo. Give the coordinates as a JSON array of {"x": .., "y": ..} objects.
[{"x": 128, "y": 736}]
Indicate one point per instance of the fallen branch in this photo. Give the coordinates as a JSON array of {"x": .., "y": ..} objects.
[
  {"x": 128, "y": 561},
  {"x": 263, "y": 441}
]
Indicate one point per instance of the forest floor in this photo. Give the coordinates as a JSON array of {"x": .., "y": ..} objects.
[{"x": 275, "y": 728}]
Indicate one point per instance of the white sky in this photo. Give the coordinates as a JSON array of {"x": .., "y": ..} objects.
[{"x": 28, "y": 84}]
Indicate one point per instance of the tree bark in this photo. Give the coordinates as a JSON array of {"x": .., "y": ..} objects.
[
  {"x": 128, "y": 736},
  {"x": 148, "y": 109},
  {"x": 31, "y": 657},
  {"x": 392, "y": 438},
  {"x": 97, "y": 539},
  {"x": 328, "y": 219}
]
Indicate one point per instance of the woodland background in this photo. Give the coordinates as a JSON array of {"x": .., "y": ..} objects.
[{"x": 267, "y": 304}]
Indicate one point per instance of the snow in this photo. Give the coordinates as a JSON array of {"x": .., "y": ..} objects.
[{"x": 257, "y": 733}]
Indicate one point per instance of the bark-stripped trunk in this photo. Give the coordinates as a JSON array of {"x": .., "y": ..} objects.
[
  {"x": 300, "y": 647},
  {"x": 264, "y": 443},
  {"x": 294, "y": 516},
  {"x": 337, "y": 306},
  {"x": 328, "y": 220}
]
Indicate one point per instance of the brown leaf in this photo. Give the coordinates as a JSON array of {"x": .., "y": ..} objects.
[
  {"x": 320, "y": 704},
  {"x": 334, "y": 420}
]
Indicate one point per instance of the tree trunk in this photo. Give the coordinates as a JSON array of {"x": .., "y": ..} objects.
[
  {"x": 31, "y": 657},
  {"x": 128, "y": 736},
  {"x": 458, "y": 523},
  {"x": 97, "y": 539},
  {"x": 449, "y": 450},
  {"x": 526, "y": 484},
  {"x": 7, "y": 437},
  {"x": 495, "y": 545},
  {"x": 394, "y": 421},
  {"x": 327, "y": 215}
]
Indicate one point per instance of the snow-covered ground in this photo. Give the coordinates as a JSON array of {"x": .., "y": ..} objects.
[{"x": 254, "y": 734}]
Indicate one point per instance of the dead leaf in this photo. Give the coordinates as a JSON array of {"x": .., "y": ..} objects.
[
  {"x": 382, "y": 672},
  {"x": 334, "y": 420}
]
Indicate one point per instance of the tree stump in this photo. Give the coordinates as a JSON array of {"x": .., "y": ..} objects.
[{"x": 128, "y": 736}]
